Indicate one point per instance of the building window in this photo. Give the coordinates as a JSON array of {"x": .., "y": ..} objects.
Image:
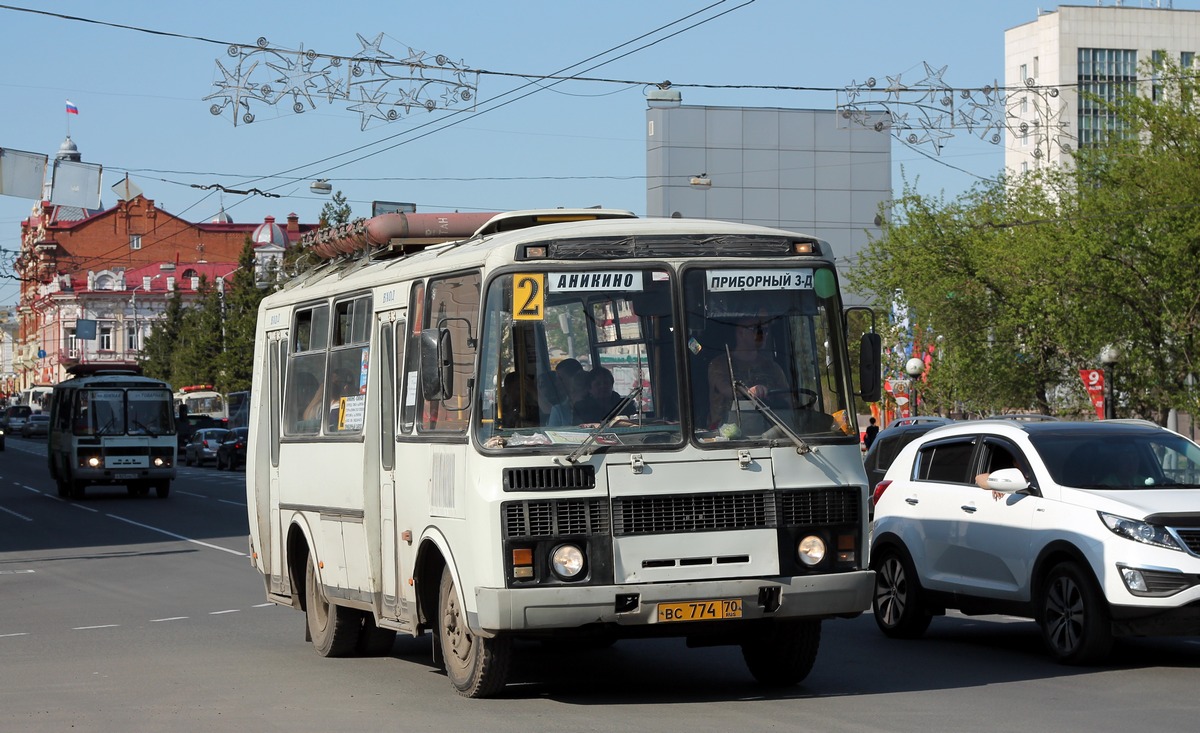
[
  {"x": 135, "y": 241},
  {"x": 72, "y": 345},
  {"x": 1024, "y": 72},
  {"x": 105, "y": 338},
  {"x": 1035, "y": 67},
  {"x": 1156, "y": 88},
  {"x": 1104, "y": 76},
  {"x": 131, "y": 337}
]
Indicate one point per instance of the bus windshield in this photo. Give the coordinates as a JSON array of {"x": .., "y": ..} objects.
[
  {"x": 123, "y": 412},
  {"x": 764, "y": 338},
  {"x": 570, "y": 352}
]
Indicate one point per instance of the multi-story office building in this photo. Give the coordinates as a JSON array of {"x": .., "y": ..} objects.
[{"x": 1049, "y": 62}]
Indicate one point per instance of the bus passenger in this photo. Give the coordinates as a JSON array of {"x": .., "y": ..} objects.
[
  {"x": 519, "y": 402},
  {"x": 600, "y": 398}
]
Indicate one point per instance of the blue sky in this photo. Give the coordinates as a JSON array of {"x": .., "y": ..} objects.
[{"x": 578, "y": 143}]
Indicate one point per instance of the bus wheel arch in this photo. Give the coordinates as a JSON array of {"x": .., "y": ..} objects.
[{"x": 427, "y": 575}]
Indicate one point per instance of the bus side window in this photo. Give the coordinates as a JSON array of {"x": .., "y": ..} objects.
[{"x": 454, "y": 305}]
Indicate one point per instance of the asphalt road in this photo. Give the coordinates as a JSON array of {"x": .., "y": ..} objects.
[{"x": 121, "y": 614}]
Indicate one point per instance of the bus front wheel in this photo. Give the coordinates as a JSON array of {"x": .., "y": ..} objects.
[
  {"x": 333, "y": 629},
  {"x": 476, "y": 666},
  {"x": 162, "y": 489},
  {"x": 783, "y": 653}
]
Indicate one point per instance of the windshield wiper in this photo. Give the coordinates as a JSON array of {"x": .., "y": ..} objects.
[
  {"x": 801, "y": 446},
  {"x": 608, "y": 420}
]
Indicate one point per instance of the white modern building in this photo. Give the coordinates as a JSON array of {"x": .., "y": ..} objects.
[
  {"x": 1100, "y": 49},
  {"x": 799, "y": 169}
]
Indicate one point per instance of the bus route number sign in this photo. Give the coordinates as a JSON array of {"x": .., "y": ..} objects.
[{"x": 529, "y": 296}]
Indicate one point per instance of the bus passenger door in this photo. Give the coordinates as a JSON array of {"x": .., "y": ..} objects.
[{"x": 391, "y": 545}]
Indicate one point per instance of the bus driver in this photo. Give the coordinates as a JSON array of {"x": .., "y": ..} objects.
[{"x": 753, "y": 366}]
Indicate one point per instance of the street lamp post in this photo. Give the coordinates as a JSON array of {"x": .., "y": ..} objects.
[
  {"x": 914, "y": 367},
  {"x": 1109, "y": 357}
]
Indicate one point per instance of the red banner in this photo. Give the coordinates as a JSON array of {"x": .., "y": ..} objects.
[{"x": 1093, "y": 382}]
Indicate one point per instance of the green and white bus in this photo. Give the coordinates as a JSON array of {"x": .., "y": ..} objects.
[
  {"x": 112, "y": 428},
  {"x": 411, "y": 466}
]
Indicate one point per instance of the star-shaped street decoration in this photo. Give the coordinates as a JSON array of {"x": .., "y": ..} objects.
[
  {"x": 297, "y": 77},
  {"x": 369, "y": 104},
  {"x": 371, "y": 52}
]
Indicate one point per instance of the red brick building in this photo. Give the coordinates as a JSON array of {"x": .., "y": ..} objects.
[{"x": 117, "y": 267}]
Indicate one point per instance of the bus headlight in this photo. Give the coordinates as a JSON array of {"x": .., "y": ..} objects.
[
  {"x": 94, "y": 461},
  {"x": 567, "y": 561},
  {"x": 811, "y": 550},
  {"x": 158, "y": 462}
]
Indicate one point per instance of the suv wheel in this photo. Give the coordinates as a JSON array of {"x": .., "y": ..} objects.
[
  {"x": 899, "y": 610},
  {"x": 1073, "y": 615}
]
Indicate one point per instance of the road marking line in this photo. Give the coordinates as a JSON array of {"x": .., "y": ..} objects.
[
  {"x": 29, "y": 488},
  {"x": 262, "y": 605},
  {"x": 169, "y": 618},
  {"x": 178, "y": 536},
  {"x": 86, "y": 508},
  {"x": 18, "y": 516},
  {"x": 17, "y": 572},
  {"x": 188, "y": 493},
  {"x": 229, "y": 501},
  {"x": 19, "y": 633},
  {"x": 89, "y": 628},
  {"x": 218, "y": 613}
]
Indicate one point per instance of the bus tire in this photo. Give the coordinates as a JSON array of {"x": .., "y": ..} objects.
[
  {"x": 63, "y": 485},
  {"x": 476, "y": 666},
  {"x": 783, "y": 653},
  {"x": 334, "y": 630},
  {"x": 76, "y": 489},
  {"x": 162, "y": 489}
]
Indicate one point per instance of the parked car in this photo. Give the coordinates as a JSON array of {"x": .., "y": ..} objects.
[
  {"x": 1090, "y": 528},
  {"x": 898, "y": 433},
  {"x": 231, "y": 451},
  {"x": 37, "y": 426},
  {"x": 202, "y": 448}
]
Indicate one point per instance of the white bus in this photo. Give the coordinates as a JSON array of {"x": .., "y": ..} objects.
[
  {"x": 202, "y": 399},
  {"x": 112, "y": 427},
  {"x": 414, "y": 464}
]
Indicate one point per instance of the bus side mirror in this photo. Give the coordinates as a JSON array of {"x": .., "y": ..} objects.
[
  {"x": 437, "y": 364},
  {"x": 870, "y": 367}
]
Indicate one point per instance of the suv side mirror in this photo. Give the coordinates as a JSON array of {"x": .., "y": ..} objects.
[{"x": 1007, "y": 480}]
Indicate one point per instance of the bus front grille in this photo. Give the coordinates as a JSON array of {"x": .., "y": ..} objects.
[
  {"x": 549, "y": 478},
  {"x": 820, "y": 507},
  {"x": 640, "y": 515},
  {"x": 693, "y": 513},
  {"x": 555, "y": 518}
]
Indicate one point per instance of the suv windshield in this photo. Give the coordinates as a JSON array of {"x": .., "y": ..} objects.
[{"x": 1125, "y": 460}]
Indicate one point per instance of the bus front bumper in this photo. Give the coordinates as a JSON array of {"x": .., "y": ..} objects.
[{"x": 563, "y": 607}]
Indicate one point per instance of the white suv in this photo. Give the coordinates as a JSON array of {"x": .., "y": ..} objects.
[{"x": 1092, "y": 529}]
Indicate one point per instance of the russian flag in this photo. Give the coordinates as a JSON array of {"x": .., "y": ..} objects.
[{"x": 71, "y": 108}]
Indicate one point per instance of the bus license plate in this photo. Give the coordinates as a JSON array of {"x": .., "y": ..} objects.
[
  {"x": 124, "y": 475},
  {"x": 716, "y": 610}
]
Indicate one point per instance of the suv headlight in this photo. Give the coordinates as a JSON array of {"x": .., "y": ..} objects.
[{"x": 1139, "y": 531}]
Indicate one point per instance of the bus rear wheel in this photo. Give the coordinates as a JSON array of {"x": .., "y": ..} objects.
[
  {"x": 333, "y": 629},
  {"x": 476, "y": 666}
]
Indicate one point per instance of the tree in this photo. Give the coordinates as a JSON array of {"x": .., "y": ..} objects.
[
  {"x": 335, "y": 211},
  {"x": 242, "y": 296},
  {"x": 159, "y": 348},
  {"x": 201, "y": 340},
  {"x": 1028, "y": 277}
]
